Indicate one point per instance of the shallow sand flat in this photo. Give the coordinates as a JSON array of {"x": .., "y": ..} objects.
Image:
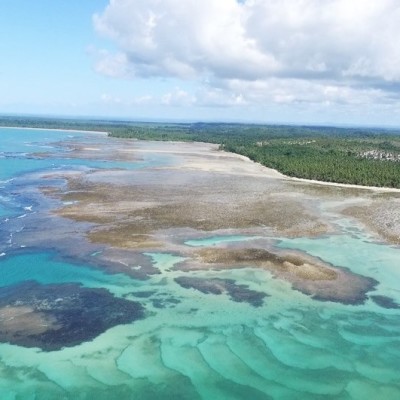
[
  {"x": 120, "y": 215},
  {"x": 262, "y": 196},
  {"x": 143, "y": 202},
  {"x": 198, "y": 187},
  {"x": 224, "y": 162}
]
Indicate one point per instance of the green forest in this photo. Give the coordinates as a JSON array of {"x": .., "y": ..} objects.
[{"x": 367, "y": 156}]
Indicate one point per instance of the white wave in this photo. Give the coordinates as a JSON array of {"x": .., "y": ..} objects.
[
  {"x": 37, "y": 145},
  {"x": 7, "y": 180},
  {"x": 29, "y": 208},
  {"x": 2, "y": 254},
  {"x": 69, "y": 203},
  {"x": 22, "y": 216}
]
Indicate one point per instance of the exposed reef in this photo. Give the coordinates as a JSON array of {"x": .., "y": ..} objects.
[
  {"x": 307, "y": 274},
  {"x": 381, "y": 216},
  {"x": 131, "y": 207},
  {"x": 54, "y": 316},
  {"x": 97, "y": 148},
  {"x": 130, "y": 213}
]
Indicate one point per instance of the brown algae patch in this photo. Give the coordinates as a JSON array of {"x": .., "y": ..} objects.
[{"x": 306, "y": 274}]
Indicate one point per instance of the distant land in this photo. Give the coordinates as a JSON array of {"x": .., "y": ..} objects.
[{"x": 349, "y": 155}]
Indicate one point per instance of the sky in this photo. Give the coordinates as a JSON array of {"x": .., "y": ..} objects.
[{"x": 334, "y": 62}]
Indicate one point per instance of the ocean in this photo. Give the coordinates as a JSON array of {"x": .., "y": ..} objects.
[{"x": 184, "y": 343}]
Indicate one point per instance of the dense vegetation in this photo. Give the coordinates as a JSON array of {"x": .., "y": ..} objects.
[{"x": 347, "y": 155}]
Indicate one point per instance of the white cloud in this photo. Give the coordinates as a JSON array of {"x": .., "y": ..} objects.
[
  {"x": 184, "y": 39},
  {"x": 109, "y": 99},
  {"x": 219, "y": 97},
  {"x": 278, "y": 51},
  {"x": 115, "y": 65},
  {"x": 178, "y": 97}
]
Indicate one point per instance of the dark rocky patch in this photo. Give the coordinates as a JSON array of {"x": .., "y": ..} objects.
[
  {"x": 385, "y": 302},
  {"x": 55, "y": 316},
  {"x": 217, "y": 286}
]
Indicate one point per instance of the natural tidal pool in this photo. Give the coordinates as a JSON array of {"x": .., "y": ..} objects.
[{"x": 70, "y": 329}]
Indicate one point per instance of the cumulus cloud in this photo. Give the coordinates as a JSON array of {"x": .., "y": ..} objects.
[
  {"x": 178, "y": 97},
  {"x": 280, "y": 51},
  {"x": 184, "y": 39}
]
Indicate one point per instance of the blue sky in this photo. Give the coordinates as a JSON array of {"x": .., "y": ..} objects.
[
  {"x": 288, "y": 61},
  {"x": 44, "y": 66}
]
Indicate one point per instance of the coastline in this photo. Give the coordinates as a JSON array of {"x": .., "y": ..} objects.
[
  {"x": 346, "y": 185},
  {"x": 271, "y": 172},
  {"x": 55, "y": 129},
  {"x": 278, "y": 175}
]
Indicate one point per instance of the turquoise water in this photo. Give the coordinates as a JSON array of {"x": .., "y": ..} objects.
[
  {"x": 46, "y": 269},
  {"x": 17, "y": 157},
  {"x": 216, "y": 240},
  {"x": 18, "y": 147},
  {"x": 193, "y": 345},
  {"x": 375, "y": 260}
]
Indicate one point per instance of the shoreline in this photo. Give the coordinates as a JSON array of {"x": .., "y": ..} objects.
[
  {"x": 312, "y": 181},
  {"x": 55, "y": 129},
  {"x": 346, "y": 185},
  {"x": 268, "y": 171},
  {"x": 274, "y": 173}
]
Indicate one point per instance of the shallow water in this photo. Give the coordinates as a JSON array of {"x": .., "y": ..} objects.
[
  {"x": 216, "y": 240},
  {"x": 194, "y": 345}
]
